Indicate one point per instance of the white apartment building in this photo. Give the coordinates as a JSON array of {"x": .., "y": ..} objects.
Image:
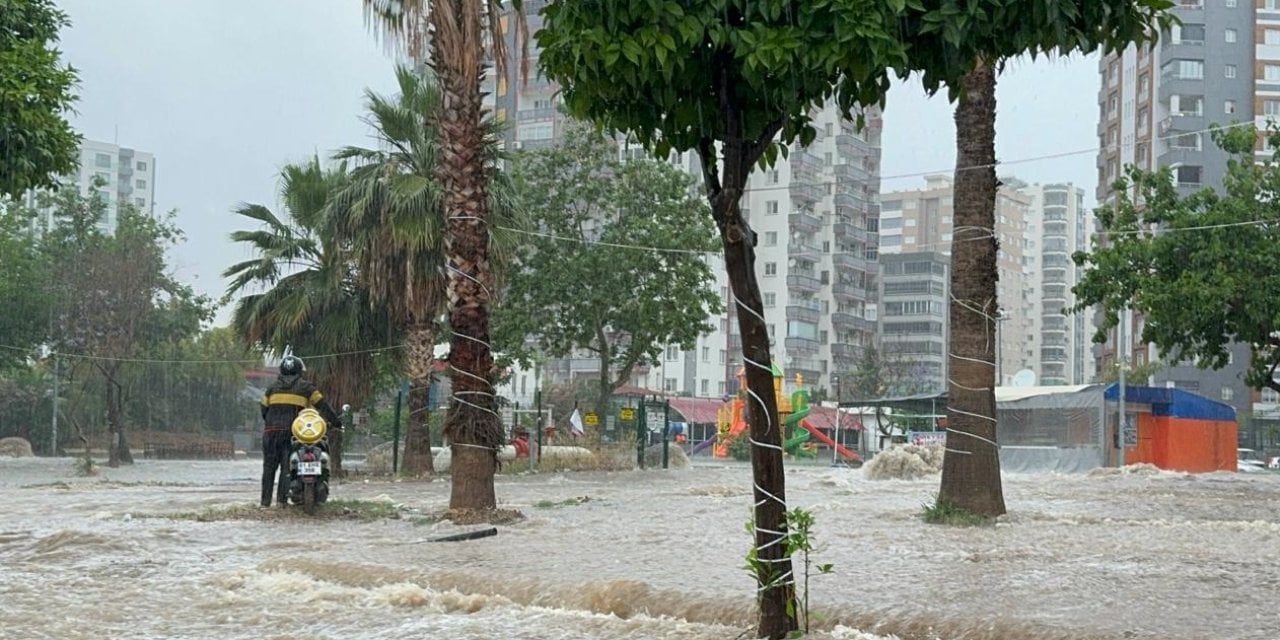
[{"x": 117, "y": 174}]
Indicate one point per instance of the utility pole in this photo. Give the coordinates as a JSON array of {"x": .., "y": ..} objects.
[
  {"x": 1122, "y": 357},
  {"x": 835, "y": 442}
]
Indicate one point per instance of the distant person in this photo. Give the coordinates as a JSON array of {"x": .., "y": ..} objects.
[{"x": 284, "y": 399}]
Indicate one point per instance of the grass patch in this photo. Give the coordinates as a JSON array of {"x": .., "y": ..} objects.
[
  {"x": 567, "y": 502},
  {"x": 495, "y": 516},
  {"x": 945, "y": 512},
  {"x": 350, "y": 510}
]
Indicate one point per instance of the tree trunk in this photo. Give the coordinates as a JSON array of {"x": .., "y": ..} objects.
[
  {"x": 417, "y": 440},
  {"x": 774, "y": 569},
  {"x": 971, "y": 468},
  {"x": 118, "y": 449},
  {"x": 472, "y": 424}
]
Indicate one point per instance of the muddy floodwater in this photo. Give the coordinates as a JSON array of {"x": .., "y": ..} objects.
[{"x": 623, "y": 555}]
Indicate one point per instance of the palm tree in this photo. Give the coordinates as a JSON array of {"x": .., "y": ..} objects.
[
  {"x": 458, "y": 54},
  {"x": 311, "y": 300},
  {"x": 971, "y": 479},
  {"x": 392, "y": 214}
]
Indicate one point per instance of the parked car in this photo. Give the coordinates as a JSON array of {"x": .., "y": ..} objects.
[{"x": 1247, "y": 461}]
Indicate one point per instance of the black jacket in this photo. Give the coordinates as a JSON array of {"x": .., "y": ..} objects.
[{"x": 288, "y": 396}]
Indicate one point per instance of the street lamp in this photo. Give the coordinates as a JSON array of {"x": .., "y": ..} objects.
[{"x": 835, "y": 442}]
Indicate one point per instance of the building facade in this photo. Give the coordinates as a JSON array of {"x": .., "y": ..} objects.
[
  {"x": 116, "y": 174},
  {"x": 923, "y": 220},
  {"x": 914, "y": 321},
  {"x": 1220, "y": 66}
]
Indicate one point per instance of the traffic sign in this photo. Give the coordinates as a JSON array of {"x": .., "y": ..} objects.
[
  {"x": 627, "y": 413},
  {"x": 591, "y": 419}
]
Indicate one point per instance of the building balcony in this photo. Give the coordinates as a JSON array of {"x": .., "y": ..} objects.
[
  {"x": 805, "y": 346},
  {"x": 805, "y": 283},
  {"x": 805, "y": 221},
  {"x": 803, "y": 314},
  {"x": 853, "y": 147},
  {"x": 849, "y": 262},
  {"x": 806, "y": 168},
  {"x": 849, "y": 322},
  {"x": 850, "y": 172},
  {"x": 846, "y": 351},
  {"x": 805, "y": 193},
  {"x": 846, "y": 230},
  {"x": 1172, "y": 85},
  {"x": 804, "y": 251},
  {"x": 847, "y": 291}
]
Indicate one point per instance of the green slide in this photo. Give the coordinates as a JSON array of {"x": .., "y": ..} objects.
[{"x": 799, "y": 411}]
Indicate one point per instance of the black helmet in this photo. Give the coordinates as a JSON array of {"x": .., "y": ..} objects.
[{"x": 292, "y": 365}]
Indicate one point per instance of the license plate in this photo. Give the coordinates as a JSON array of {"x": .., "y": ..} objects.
[{"x": 309, "y": 468}]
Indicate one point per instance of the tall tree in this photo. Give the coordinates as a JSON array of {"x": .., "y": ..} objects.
[
  {"x": 731, "y": 79},
  {"x": 111, "y": 291},
  {"x": 301, "y": 289},
  {"x": 392, "y": 213},
  {"x": 575, "y": 289},
  {"x": 1202, "y": 269},
  {"x": 36, "y": 93},
  {"x": 962, "y": 45},
  {"x": 459, "y": 45}
]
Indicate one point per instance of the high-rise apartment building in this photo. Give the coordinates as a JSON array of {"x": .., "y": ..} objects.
[
  {"x": 914, "y": 318},
  {"x": 815, "y": 217},
  {"x": 116, "y": 174},
  {"x": 1220, "y": 66},
  {"x": 1058, "y": 225},
  {"x": 923, "y": 220}
]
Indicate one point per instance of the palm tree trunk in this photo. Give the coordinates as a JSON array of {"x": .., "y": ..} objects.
[
  {"x": 472, "y": 424},
  {"x": 420, "y": 340},
  {"x": 971, "y": 468}
]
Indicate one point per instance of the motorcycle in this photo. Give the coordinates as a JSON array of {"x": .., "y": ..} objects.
[{"x": 309, "y": 461}]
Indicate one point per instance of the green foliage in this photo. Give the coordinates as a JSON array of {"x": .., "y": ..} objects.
[
  {"x": 23, "y": 287},
  {"x": 740, "y": 447},
  {"x": 575, "y": 291},
  {"x": 1206, "y": 280},
  {"x": 944, "y": 512},
  {"x": 36, "y": 93},
  {"x": 311, "y": 296},
  {"x": 799, "y": 540},
  {"x": 664, "y": 71},
  {"x": 1134, "y": 373}
]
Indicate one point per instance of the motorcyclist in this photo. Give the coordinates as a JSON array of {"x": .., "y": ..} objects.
[{"x": 284, "y": 399}]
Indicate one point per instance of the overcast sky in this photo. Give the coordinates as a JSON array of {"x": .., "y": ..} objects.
[{"x": 224, "y": 92}]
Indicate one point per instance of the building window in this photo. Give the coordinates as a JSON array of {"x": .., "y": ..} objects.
[
  {"x": 1271, "y": 72},
  {"x": 1228, "y": 393},
  {"x": 771, "y": 238},
  {"x": 1188, "y": 176},
  {"x": 724, "y": 356},
  {"x": 102, "y": 160},
  {"x": 706, "y": 386},
  {"x": 1271, "y": 37},
  {"x": 141, "y": 202},
  {"x": 771, "y": 176},
  {"x": 826, "y": 128},
  {"x": 1229, "y": 71},
  {"x": 669, "y": 385},
  {"x": 1229, "y": 106},
  {"x": 770, "y": 300},
  {"x": 673, "y": 352},
  {"x": 1230, "y": 35},
  {"x": 771, "y": 268},
  {"x": 1230, "y": 4},
  {"x": 706, "y": 354},
  {"x": 141, "y": 184},
  {"x": 1184, "y": 69},
  {"x": 771, "y": 207}
]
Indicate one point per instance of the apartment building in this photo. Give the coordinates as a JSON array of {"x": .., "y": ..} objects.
[
  {"x": 923, "y": 220},
  {"x": 914, "y": 321},
  {"x": 117, "y": 174},
  {"x": 815, "y": 216},
  {"x": 1220, "y": 66}
]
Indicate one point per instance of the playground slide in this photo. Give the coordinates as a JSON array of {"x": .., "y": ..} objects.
[
  {"x": 704, "y": 444},
  {"x": 822, "y": 437}
]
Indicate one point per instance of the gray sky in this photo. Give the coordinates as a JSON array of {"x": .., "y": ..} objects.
[{"x": 225, "y": 92}]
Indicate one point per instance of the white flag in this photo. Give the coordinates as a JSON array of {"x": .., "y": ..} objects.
[{"x": 575, "y": 423}]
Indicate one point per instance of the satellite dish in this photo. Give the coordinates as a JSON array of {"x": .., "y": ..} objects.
[{"x": 1024, "y": 378}]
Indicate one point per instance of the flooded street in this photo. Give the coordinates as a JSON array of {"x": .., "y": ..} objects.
[{"x": 620, "y": 555}]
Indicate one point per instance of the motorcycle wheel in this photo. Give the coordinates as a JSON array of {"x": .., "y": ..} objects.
[{"x": 309, "y": 498}]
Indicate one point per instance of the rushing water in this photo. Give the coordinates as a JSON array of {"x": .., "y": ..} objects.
[{"x": 645, "y": 554}]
